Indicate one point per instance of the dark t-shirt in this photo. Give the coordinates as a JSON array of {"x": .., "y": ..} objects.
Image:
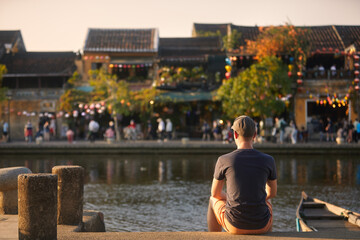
[{"x": 246, "y": 172}]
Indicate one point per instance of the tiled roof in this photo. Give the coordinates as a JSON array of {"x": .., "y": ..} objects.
[
  {"x": 40, "y": 63},
  {"x": 188, "y": 49},
  {"x": 322, "y": 38},
  {"x": 247, "y": 33},
  {"x": 201, "y": 28},
  {"x": 121, "y": 40},
  {"x": 350, "y": 35}
]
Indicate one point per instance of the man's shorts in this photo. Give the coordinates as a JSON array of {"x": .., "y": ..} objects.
[{"x": 219, "y": 211}]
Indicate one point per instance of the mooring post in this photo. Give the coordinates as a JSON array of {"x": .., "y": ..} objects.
[
  {"x": 9, "y": 189},
  {"x": 70, "y": 194},
  {"x": 37, "y": 198}
]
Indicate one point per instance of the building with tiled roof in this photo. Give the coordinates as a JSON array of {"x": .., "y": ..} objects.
[
  {"x": 121, "y": 40},
  {"x": 35, "y": 82},
  {"x": 128, "y": 53},
  {"x": 323, "y": 39},
  {"x": 331, "y": 47},
  {"x": 11, "y": 41}
]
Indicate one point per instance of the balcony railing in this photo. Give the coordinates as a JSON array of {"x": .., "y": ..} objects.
[{"x": 328, "y": 74}]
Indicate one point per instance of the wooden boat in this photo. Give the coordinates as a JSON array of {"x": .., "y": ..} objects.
[{"x": 315, "y": 215}]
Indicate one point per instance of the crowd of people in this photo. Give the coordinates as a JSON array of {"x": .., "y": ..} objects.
[{"x": 279, "y": 131}]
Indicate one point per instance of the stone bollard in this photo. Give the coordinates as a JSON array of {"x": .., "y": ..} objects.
[
  {"x": 37, "y": 206},
  {"x": 70, "y": 194},
  {"x": 9, "y": 189}
]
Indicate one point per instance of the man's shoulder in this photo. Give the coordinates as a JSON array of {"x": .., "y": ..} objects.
[{"x": 264, "y": 155}]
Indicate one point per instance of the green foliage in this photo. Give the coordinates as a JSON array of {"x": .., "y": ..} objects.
[
  {"x": 232, "y": 41},
  {"x": 3, "y": 90},
  {"x": 179, "y": 74},
  {"x": 208, "y": 34},
  {"x": 229, "y": 42},
  {"x": 115, "y": 93},
  {"x": 257, "y": 90},
  {"x": 72, "y": 97}
]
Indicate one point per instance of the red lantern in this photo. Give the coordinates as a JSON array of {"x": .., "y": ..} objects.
[
  {"x": 356, "y": 65},
  {"x": 300, "y": 89},
  {"x": 356, "y": 80},
  {"x": 324, "y": 49},
  {"x": 356, "y": 57},
  {"x": 356, "y": 73},
  {"x": 357, "y": 88},
  {"x": 330, "y": 49},
  {"x": 289, "y": 74},
  {"x": 227, "y": 75},
  {"x": 299, "y": 81},
  {"x": 337, "y": 50},
  {"x": 299, "y": 74}
]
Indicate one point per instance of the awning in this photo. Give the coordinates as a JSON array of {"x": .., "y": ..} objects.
[
  {"x": 85, "y": 88},
  {"x": 187, "y": 96},
  {"x": 128, "y": 60}
]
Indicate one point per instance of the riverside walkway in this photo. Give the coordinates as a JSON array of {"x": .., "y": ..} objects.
[
  {"x": 171, "y": 147},
  {"x": 9, "y": 230}
]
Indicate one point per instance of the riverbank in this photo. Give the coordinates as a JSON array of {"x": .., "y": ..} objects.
[{"x": 171, "y": 147}]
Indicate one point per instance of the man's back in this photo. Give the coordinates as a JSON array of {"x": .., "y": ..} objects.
[{"x": 246, "y": 172}]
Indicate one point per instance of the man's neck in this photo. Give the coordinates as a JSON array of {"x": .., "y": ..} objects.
[{"x": 244, "y": 145}]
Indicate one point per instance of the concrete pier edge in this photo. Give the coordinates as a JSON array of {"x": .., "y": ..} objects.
[{"x": 172, "y": 147}]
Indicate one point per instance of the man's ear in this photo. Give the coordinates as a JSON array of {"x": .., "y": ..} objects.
[{"x": 236, "y": 134}]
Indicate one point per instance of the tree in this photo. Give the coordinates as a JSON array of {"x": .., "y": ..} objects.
[
  {"x": 282, "y": 40},
  {"x": 73, "y": 96},
  {"x": 257, "y": 91}
]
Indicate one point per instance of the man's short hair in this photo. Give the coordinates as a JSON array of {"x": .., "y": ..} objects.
[{"x": 244, "y": 126}]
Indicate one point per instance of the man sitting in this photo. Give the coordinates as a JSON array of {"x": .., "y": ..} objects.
[{"x": 250, "y": 182}]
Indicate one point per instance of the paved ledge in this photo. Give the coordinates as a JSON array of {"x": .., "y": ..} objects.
[
  {"x": 171, "y": 147},
  {"x": 206, "y": 236},
  {"x": 9, "y": 230},
  {"x": 93, "y": 221}
]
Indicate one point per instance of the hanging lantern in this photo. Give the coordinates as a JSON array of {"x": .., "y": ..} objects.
[
  {"x": 337, "y": 50},
  {"x": 289, "y": 74},
  {"x": 356, "y": 73},
  {"x": 356, "y": 65},
  {"x": 356, "y": 57},
  {"x": 228, "y": 68},
  {"x": 357, "y": 87},
  {"x": 299, "y": 74},
  {"x": 356, "y": 80},
  {"x": 227, "y": 75},
  {"x": 299, "y": 81}
]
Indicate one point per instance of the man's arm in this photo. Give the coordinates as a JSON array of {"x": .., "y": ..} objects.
[
  {"x": 216, "y": 189},
  {"x": 271, "y": 189}
]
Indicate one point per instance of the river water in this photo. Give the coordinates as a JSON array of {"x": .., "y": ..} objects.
[{"x": 170, "y": 193}]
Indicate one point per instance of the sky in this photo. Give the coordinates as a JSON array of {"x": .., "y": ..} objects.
[{"x": 62, "y": 25}]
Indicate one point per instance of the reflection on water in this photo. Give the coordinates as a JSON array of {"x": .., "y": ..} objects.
[{"x": 170, "y": 193}]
